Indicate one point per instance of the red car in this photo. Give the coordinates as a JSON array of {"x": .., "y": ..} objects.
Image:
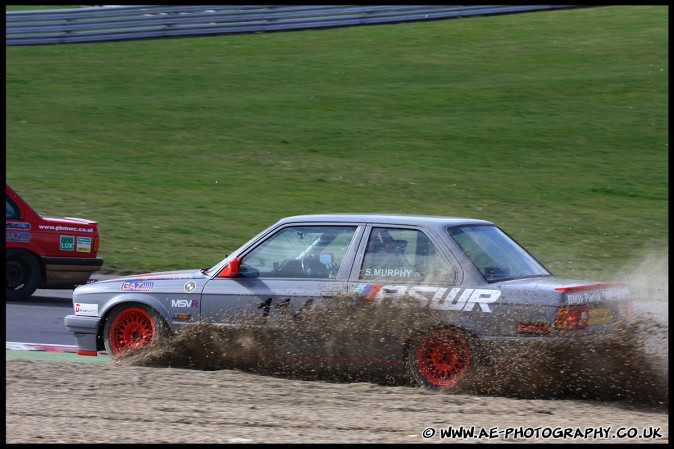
[{"x": 46, "y": 252}]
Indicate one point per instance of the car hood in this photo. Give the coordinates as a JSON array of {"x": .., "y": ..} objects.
[
  {"x": 146, "y": 282},
  {"x": 180, "y": 274}
]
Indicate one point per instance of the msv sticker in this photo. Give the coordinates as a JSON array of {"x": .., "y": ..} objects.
[
  {"x": 137, "y": 286},
  {"x": 86, "y": 309},
  {"x": 437, "y": 298},
  {"x": 184, "y": 303}
]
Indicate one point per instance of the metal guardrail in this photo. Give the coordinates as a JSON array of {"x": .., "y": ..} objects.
[{"x": 113, "y": 23}]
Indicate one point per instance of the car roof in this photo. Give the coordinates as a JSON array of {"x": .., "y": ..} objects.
[{"x": 397, "y": 219}]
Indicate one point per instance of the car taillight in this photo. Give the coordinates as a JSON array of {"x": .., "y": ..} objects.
[
  {"x": 572, "y": 317},
  {"x": 95, "y": 245}
]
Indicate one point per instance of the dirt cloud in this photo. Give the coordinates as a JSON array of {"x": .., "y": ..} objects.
[{"x": 630, "y": 365}]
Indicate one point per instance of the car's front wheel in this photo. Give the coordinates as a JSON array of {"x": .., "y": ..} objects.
[
  {"x": 130, "y": 326},
  {"x": 22, "y": 274},
  {"x": 441, "y": 359}
]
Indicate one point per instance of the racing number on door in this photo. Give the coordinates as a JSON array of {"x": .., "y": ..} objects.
[{"x": 265, "y": 306}]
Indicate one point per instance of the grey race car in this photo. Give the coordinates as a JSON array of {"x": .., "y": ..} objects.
[{"x": 469, "y": 286}]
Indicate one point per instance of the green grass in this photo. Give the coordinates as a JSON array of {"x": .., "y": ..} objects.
[{"x": 554, "y": 125}]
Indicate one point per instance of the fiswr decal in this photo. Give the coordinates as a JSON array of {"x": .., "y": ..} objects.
[{"x": 437, "y": 298}]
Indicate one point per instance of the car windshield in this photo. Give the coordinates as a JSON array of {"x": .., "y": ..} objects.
[{"x": 497, "y": 256}]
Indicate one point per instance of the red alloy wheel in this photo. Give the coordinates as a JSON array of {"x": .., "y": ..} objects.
[
  {"x": 130, "y": 328},
  {"x": 443, "y": 357}
]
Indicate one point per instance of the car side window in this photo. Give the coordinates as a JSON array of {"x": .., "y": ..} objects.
[
  {"x": 11, "y": 209},
  {"x": 300, "y": 252},
  {"x": 495, "y": 254},
  {"x": 403, "y": 255}
]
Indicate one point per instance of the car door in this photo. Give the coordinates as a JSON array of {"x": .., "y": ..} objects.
[
  {"x": 283, "y": 276},
  {"x": 396, "y": 263}
]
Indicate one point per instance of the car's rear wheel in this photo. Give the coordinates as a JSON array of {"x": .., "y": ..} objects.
[
  {"x": 441, "y": 359},
  {"x": 130, "y": 326},
  {"x": 22, "y": 274}
]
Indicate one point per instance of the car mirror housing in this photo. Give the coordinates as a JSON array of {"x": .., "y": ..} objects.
[{"x": 231, "y": 270}]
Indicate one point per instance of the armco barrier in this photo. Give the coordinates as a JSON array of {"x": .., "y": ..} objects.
[{"x": 113, "y": 23}]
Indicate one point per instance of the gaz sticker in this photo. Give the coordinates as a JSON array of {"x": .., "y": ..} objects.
[
  {"x": 16, "y": 236},
  {"x": 137, "y": 286}
]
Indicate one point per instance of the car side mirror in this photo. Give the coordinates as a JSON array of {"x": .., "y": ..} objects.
[{"x": 231, "y": 270}]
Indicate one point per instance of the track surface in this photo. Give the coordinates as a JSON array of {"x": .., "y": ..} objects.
[{"x": 66, "y": 402}]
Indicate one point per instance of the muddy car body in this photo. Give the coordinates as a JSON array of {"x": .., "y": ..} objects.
[{"x": 459, "y": 287}]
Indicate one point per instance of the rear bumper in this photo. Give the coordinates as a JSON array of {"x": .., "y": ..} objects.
[
  {"x": 85, "y": 329},
  {"x": 68, "y": 272}
]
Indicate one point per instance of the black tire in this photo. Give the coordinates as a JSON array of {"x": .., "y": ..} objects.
[
  {"x": 132, "y": 325},
  {"x": 22, "y": 275},
  {"x": 442, "y": 359}
]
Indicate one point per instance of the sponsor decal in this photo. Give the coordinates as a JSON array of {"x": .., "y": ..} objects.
[
  {"x": 184, "y": 303},
  {"x": 83, "y": 244},
  {"x": 598, "y": 295},
  {"x": 436, "y": 298},
  {"x": 368, "y": 290},
  {"x": 64, "y": 228},
  {"x": 20, "y": 225},
  {"x": 16, "y": 236},
  {"x": 190, "y": 286},
  {"x": 137, "y": 286},
  {"x": 67, "y": 243},
  {"x": 86, "y": 309}
]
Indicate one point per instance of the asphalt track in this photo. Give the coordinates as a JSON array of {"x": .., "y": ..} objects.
[{"x": 34, "y": 327}]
